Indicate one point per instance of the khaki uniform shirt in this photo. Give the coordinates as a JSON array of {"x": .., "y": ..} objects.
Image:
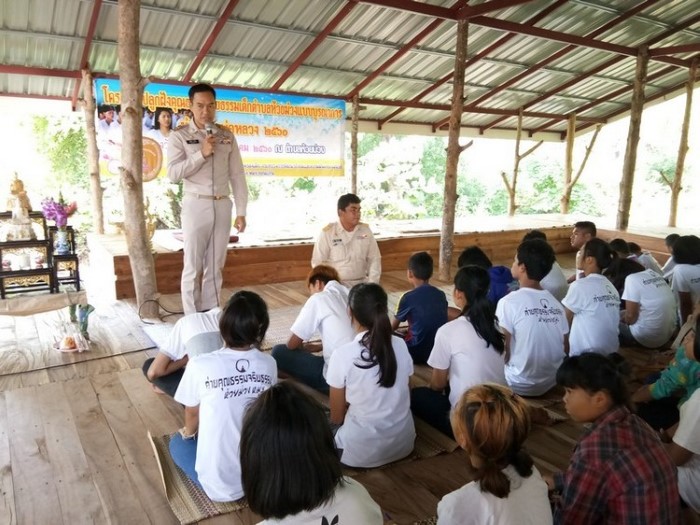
[
  {"x": 216, "y": 175},
  {"x": 355, "y": 255}
]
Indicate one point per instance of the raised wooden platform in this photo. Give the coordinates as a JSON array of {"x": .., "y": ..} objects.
[{"x": 276, "y": 263}]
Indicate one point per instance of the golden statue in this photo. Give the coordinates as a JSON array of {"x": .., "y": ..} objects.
[{"x": 20, "y": 228}]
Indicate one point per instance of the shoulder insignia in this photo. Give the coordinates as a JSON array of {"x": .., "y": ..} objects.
[{"x": 328, "y": 227}]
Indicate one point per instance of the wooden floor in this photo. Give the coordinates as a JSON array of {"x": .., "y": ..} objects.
[{"x": 73, "y": 445}]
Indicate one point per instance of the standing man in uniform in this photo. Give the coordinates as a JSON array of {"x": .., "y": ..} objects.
[
  {"x": 349, "y": 246},
  {"x": 206, "y": 158}
]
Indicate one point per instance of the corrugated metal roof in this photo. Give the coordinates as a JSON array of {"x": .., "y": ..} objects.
[{"x": 260, "y": 40}]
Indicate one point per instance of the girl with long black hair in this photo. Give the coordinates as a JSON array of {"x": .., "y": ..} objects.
[
  {"x": 468, "y": 351},
  {"x": 368, "y": 379}
]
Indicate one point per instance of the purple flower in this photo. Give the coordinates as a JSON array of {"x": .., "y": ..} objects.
[{"x": 58, "y": 211}]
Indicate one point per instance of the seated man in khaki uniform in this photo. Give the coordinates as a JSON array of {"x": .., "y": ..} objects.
[{"x": 349, "y": 246}]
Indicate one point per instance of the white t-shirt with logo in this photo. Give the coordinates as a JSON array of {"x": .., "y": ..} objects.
[
  {"x": 537, "y": 324},
  {"x": 688, "y": 437},
  {"x": 193, "y": 325},
  {"x": 555, "y": 282},
  {"x": 459, "y": 349},
  {"x": 326, "y": 312},
  {"x": 351, "y": 505},
  {"x": 596, "y": 306},
  {"x": 686, "y": 278},
  {"x": 222, "y": 384},
  {"x": 378, "y": 426},
  {"x": 526, "y": 504},
  {"x": 657, "y": 307}
]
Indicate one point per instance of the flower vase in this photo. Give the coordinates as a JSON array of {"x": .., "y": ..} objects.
[{"x": 61, "y": 246}]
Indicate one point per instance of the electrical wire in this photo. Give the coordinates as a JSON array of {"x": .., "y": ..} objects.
[{"x": 168, "y": 313}]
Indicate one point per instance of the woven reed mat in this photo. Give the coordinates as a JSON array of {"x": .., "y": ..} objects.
[
  {"x": 189, "y": 502},
  {"x": 429, "y": 521},
  {"x": 429, "y": 443}
]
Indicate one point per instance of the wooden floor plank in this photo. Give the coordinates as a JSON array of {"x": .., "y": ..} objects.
[
  {"x": 151, "y": 407},
  {"x": 7, "y": 494},
  {"x": 77, "y": 493},
  {"x": 129, "y": 432},
  {"x": 36, "y": 497},
  {"x": 116, "y": 493}
]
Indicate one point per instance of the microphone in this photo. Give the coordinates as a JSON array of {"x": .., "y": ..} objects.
[{"x": 209, "y": 129}]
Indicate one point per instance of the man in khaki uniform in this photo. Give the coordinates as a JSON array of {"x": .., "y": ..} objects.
[
  {"x": 206, "y": 158},
  {"x": 349, "y": 246}
]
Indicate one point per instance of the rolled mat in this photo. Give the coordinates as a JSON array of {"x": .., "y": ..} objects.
[{"x": 189, "y": 502}]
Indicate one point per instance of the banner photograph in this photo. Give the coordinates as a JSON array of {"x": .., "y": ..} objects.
[{"x": 278, "y": 135}]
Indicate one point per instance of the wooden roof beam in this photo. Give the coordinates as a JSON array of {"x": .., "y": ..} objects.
[
  {"x": 658, "y": 38},
  {"x": 565, "y": 38},
  {"x": 559, "y": 54},
  {"x": 220, "y": 23},
  {"x": 672, "y": 50},
  {"x": 659, "y": 74},
  {"x": 420, "y": 8},
  {"x": 481, "y": 54},
  {"x": 651, "y": 98},
  {"x": 345, "y": 11},
  {"x": 89, "y": 34},
  {"x": 479, "y": 111},
  {"x": 481, "y": 9},
  {"x": 400, "y": 53}
]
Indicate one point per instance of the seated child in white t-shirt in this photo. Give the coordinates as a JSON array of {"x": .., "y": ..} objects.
[
  {"x": 194, "y": 334},
  {"x": 468, "y": 351},
  {"x": 533, "y": 323},
  {"x": 555, "y": 281},
  {"x": 325, "y": 312},
  {"x": 686, "y": 274},
  {"x": 290, "y": 466},
  {"x": 491, "y": 424},
  {"x": 215, "y": 389},
  {"x": 649, "y": 315},
  {"x": 369, "y": 392},
  {"x": 670, "y": 263},
  {"x": 593, "y": 304}
]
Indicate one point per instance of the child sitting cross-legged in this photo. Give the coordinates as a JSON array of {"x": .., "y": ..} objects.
[
  {"x": 369, "y": 392},
  {"x": 424, "y": 307},
  {"x": 619, "y": 471},
  {"x": 216, "y": 389},
  {"x": 468, "y": 351},
  {"x": 491, "y": 424}
]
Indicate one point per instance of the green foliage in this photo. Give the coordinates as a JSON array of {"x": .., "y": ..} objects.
[
  {"x": 497, "y": 203},
  {"x": 65, "y": 146},
  {"x": 661, "y": 166},
  {"x": 367, "y": 142},
  {"x": 307, "y": 184}
]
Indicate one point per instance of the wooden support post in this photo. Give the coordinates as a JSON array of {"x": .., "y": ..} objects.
[
  {"x": 353, "y": 142},
  {"x": 131, "y": 171},
  {"x": 636, "y": 108},
  {"x": 93, "y": 154},
  {"x": 453, "y": 151},
  {"x": 569, "y": 161},
  {"x": 676, "y": 186},
  {"x": 570, "y": 183},
  {"x": 511, "y": 185}
]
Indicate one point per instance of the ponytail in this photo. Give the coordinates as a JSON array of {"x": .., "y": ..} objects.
[
  {"x": 368, "y": 304},
  {"x": 474, "y": 283}
]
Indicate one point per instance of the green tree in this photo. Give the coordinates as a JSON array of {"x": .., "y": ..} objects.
[{"x": 64, "y": 144}]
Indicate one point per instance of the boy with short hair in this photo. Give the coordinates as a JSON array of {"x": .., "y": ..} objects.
[
  {"x": 583, "y": 232},
  {"x": 533, "y": 323},
  {"x": 424, "y": 307}
]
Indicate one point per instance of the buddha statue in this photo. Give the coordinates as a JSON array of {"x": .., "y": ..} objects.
[{"x": 20, "y": 227}]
